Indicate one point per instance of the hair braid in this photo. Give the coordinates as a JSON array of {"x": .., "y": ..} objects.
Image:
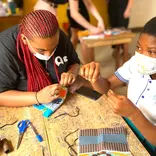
[{"x": 39, "y": 23}]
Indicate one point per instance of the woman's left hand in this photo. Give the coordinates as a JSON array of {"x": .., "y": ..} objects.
[
  {"x": 67, "y": 78},
  {"x": 121, "y": 105}
]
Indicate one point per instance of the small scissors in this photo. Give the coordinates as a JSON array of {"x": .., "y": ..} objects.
[{"x": 22, "y": 126}]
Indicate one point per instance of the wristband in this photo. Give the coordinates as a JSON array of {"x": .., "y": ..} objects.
[{"x": 37, "y": 98}]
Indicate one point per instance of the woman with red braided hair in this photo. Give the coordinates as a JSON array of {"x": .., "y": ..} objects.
[{"x": 36, "y": 60}]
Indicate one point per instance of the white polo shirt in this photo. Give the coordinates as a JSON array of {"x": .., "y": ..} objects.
[{"x": 141, "y": 88}]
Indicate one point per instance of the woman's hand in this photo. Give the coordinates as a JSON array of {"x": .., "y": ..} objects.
[
  {"x": 67, "y": 79},
  {"x": 101, "y": 24},
  {"x": 48, "y": 93},
  {"x": 95, "y": 30},
  {"x": 126, "y": 13},
  {"x": 90, "y": 72},
  {"x": 121, "y": 105}
]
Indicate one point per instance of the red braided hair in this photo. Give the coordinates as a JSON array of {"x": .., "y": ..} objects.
[{"x": 39, "y": 23}]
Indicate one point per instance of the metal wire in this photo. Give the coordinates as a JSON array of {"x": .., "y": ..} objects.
[
  {"x": 71, "y": 115},
  {"x": 8, "y": 124},
  {"x": 71, "y": 150}
]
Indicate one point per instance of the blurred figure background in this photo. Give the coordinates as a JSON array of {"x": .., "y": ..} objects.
[
  {"x": 48, "y": 5},
  {"x": 79, "y": 19},
  {"x": 119, "y": 12}
]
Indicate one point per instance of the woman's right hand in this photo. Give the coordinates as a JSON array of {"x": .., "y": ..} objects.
[
  {"x": 91, "y": 72},
  {"x": 95, "y": 30},
  {"x": 48, "y": 93}
]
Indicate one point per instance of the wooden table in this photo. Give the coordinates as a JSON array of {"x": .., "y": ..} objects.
[
  {"x": 9, "y": 21},
  {"x": 110, "y": 40},
  {"x": 122, "y": 38},
  {"x": 93, "y": 114}
]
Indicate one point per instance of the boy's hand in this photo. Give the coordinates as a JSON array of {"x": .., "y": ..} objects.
[
  {"x": 121, "y": 105},
  {"x": 90, "y": 72}
]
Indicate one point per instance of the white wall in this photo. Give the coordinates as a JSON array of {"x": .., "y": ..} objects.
[{"x": 142, "y": 11}]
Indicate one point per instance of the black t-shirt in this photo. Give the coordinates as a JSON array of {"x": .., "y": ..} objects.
[{"x": 12, "y": 70}]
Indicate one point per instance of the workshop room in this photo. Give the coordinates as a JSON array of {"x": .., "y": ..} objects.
[{"x": 77, "y": 77}]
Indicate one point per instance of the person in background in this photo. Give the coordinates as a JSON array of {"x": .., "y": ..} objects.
[
  {"x": 79, "y": 20},
  {"x": 37, "y": 59},
  {"x": 139, "y": 107},
  {"x": 119, "y": 12},
  {"x": 19, "y": 3},
  {"x": 48, "y": 5}
]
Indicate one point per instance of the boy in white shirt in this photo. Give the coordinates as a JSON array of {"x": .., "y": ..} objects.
[{"x": 139, "y": 107}]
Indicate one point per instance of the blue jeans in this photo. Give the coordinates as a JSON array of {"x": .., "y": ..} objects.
[{"x": 149, "y": 147}]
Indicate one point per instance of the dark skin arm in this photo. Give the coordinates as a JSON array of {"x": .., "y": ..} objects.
[
  {"x": 90, "y": 77},
  {"x": 91, "y": 72},
  {"x": 121, "y": 105},
  {"x": 74, "y": 69},
  {"x": 145, "y": 126},
  {"x": 14, "y": 98}
]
